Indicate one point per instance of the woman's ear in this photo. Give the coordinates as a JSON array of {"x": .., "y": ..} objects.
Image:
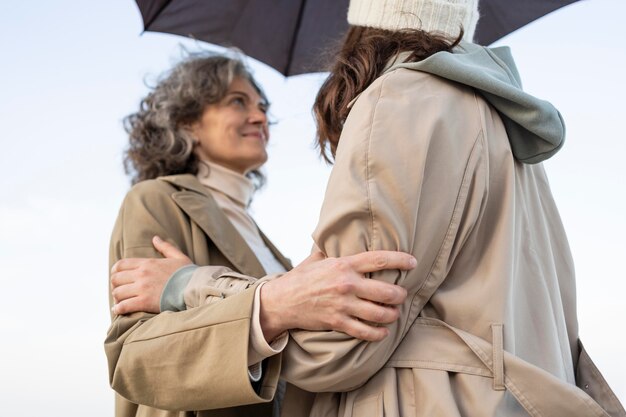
[{"x": 191, "y": 133}]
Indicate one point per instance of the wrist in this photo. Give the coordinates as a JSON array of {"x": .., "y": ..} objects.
[{"x": 270, "y": 316}]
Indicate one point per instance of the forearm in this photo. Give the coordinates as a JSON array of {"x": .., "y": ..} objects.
[{"x": 179, "y": 361}]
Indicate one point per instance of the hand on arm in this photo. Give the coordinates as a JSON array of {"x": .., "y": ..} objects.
[
  {"x": 403, "y": 180},
  {"x": 319, "y": 294},
  {"x": 137, "y": 283},
  {"x": 333, "y": 294}
]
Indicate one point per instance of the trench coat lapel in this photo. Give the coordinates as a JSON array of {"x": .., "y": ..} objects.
[
  {"x": 284, "y": 261},
  {"x": 198, "y": 204}
]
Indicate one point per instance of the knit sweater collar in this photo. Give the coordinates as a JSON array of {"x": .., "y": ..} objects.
[{"x": 235, "y": 186}]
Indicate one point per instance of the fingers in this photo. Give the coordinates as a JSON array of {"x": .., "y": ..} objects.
[
  {"x": 124, "y": 292},
  {"x": 122, "y": 278},
  {"x": 127, "y": 306},
  {"x": 380, "y": 291},
  {"x": 364, "y": 331},
  {"x": 126, "y": 264},
  {"x": 378, "y": 260},
  {"x": 167, "y": 249},
  {"x": 127, "y": 303},
  {"x": 372, "y": 312}
]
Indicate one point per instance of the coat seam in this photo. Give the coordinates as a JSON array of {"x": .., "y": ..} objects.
[
  {"x": 185, "y": 331},
  {"x": 367, "y": 164},
  {"x": 449, "y": 233}
]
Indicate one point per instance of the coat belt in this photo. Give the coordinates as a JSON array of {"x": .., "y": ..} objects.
[{"x": 433, "y": 344}]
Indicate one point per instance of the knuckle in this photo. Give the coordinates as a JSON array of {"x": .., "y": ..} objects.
[
  {"x": 380, "y": 261},
  {"x": 391, "y": 294},
  {"x": 345, "y": 287},
  {"x": 341, "y": 308},
  {"x": 394, "y": 294},
  {"x": 342, "y": 266},
  {"x": 387, "y": 294},
  {"x": 380, "y": 315},
  {"x": 336, "y": 322}
]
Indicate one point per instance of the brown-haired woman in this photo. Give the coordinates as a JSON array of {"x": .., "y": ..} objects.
[
  {"x": 196, "y": 145},
  {"x": 438, "y": 152}
]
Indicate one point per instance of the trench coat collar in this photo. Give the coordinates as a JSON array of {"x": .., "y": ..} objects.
[{"x": 196, "y": 201}]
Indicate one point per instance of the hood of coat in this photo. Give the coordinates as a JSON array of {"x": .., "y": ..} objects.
[{"x": 535, "y": 128}]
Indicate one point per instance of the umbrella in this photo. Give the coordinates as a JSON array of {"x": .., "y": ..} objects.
[{"x": 294, "y": 36}]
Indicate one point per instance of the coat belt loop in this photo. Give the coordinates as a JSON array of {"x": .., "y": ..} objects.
[{"x": 498, "y": 356}]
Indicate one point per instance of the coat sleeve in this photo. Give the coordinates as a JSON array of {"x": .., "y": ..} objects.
[
  {"x": 409, "y": 175},
  {"x": 189, "y": 360}
]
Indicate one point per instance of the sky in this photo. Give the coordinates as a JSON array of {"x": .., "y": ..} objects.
[{"x": 71, "y": 70}]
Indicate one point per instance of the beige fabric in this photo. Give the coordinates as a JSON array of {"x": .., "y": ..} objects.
[
  {"x": 195, "y": 359},
  {"x": 204, "y": 289},
  {"x": 260, "y": 349},
  {"x": 489, "y": 326},
  {"x": 233, "y": 193},
  {"x": 445, "y": 17}
]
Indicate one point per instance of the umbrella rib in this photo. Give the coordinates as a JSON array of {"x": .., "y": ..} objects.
[
  {"x": 292, "y": 48},
  {"x": 146, "y": 26}
]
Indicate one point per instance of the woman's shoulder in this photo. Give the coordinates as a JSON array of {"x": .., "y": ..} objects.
[
  {"x": 166, "y": 185},
  {"x": 158, "y": 191},
  {"x": 413, "y": 111},
  {"x": 418, "y": 86},
  {"x": 417, "y": 97},
  {"x": 151, "y": 187}
]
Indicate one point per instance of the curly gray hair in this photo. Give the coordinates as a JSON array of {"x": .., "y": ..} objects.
[{"x": 159, "y": 143}]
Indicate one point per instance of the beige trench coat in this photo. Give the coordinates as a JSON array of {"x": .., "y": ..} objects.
[
  {"x": 195, "y": 359},
  {"x": 489, "y": 327}
]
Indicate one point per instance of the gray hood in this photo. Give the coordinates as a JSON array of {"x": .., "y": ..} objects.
[{"x": 535, "y": 127}]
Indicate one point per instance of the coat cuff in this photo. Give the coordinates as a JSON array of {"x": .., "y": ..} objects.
[
  {"x": 172, "y": 297},
  {"x": 258, "y": 348}
]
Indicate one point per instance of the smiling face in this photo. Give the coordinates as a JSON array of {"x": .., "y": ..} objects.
[{"x": 233, "y": 132}]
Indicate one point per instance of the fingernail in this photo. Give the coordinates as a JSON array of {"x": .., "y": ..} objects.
[
  {"x": 157, "y": 239},
  {"x": 412, "y": 262}
]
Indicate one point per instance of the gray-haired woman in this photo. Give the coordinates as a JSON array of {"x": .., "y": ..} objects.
[{"x": 196, "y": 145}]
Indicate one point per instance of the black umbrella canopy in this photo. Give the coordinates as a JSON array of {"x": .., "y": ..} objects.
[{"x": 295, "y": 36}]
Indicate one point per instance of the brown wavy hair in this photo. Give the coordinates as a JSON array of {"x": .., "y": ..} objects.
[
  {"x": 159, "y": 143},
  {"x": 362, "y": 58}
]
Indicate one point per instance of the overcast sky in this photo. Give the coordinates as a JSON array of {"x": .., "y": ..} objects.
[{"x": 71, "y": 70}]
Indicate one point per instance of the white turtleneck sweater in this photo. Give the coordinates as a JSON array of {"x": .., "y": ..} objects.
[{"x": 233, "y": 193}]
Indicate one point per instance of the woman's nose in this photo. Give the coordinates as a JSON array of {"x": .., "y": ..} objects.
[{"x": 257, "y": 116}]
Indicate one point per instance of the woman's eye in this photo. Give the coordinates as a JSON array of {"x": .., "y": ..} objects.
[{"x": 238, "y": 101}]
